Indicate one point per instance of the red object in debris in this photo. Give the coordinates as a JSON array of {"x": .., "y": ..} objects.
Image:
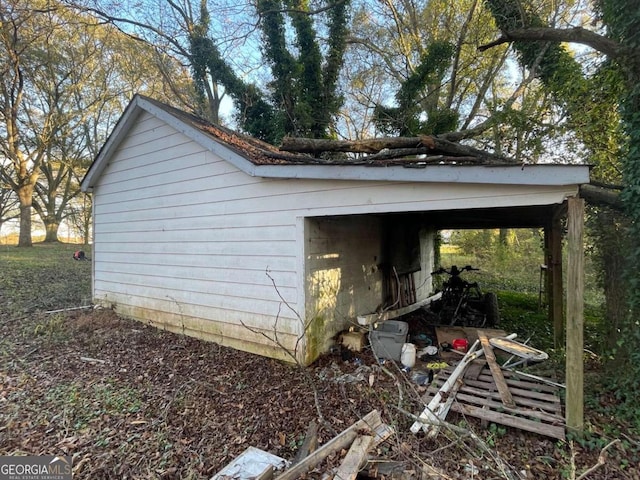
[{"x": 460, "y": 344}]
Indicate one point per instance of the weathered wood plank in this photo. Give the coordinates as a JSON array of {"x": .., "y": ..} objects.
[
  {"x": 521, "y": 397},
  {"x": 540, "y": 386},
  {"x": 370, "y": 422},
  {"x": 310, "y": 443},
  {"x": 355, "y": 458},
  {"x": 481, "y": 393},
  {"x": 492, "y": 404},
  {"x": 538, "y": 412},
  {"x": 496, "y": 371},
  {"x": 475, "y": 369},
  {"x": 535, "y": 388},
  {"x": 554, "y": 431},
  {"x": 372, "y": 318},
  {"x": 382, "y": 433},
  {"x": 525, "y": 389},
  {"x": 521, "y": 388}
]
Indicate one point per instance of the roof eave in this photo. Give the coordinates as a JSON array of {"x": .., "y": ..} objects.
[{"x": 538, "y": 174}]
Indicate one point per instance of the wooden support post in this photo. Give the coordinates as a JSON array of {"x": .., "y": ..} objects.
[
  {"x": 556, "y": 288},
  {"x": 575, "y": 315},
  {"x": 548, "y": 262}
]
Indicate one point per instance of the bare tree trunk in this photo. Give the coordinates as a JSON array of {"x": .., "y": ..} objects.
[
  {"x": 25, "y": 194},
  {"x": 614, "y": 252},
  {"x": 503, "y": 237},
  {"x": 51, "y": 228}
]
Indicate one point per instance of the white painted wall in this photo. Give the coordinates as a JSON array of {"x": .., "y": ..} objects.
[
  {"x": 342, "y": 279},
  {"x": 189, "y": 242}
]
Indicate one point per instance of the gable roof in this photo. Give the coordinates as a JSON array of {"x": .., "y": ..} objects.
[{"x": 260, "y": 159}]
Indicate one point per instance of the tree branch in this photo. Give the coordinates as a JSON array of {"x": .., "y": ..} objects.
[
  {"x": 579, "y": 35},
  {"x": 427, "y": 144},
  {"x": 599, "y": 196}
]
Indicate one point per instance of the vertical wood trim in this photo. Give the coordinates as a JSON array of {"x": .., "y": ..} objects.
[
  {"x": 301, "y": 275},
  {"x": 556, "y": 287},
  {"x": 91, "y": 237},
  {"x": 548, "y": 261},
  {"x": 575, "y": 315}
]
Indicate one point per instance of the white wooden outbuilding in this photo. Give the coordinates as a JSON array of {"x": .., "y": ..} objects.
[{"x": 205, "y": 232}]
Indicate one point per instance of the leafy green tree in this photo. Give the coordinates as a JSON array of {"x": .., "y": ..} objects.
[
  {"x": 300, "y": 97},
  {"x": 432, "y": 80},
  {"x": 588, "y": 104},
  {"x": 610, "y": 134},
  {"x": 304, "y": 84},
  {"x": 406, "y": 119}
]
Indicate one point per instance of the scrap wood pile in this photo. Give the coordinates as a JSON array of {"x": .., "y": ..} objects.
[
  {"x": 501, "y": 396},
  {"x": 354, "y": 448},
  {"x": 497, "y": 396}
]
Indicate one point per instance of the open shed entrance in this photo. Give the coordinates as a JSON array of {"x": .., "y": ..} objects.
[
  {"x": 364, "y": 263},
  {"x": 356, "y": 264}
]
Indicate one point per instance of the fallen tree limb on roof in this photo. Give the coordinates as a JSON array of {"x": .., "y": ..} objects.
[{"x": 434, "y": 144}]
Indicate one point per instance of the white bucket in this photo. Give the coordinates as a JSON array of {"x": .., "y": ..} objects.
[{"x": 408, "y": 355}]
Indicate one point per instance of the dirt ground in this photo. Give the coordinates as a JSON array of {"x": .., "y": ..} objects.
[{"x": 130, "y": 401}]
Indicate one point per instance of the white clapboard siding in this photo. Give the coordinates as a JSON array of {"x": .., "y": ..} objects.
[
  {"x": 170, "y": 247},
  {"x": 195, "y": 220},
  {"x": 190, "y": 155},
  {"x": 276, "y": 233},
  {"x": 160, "y": 180},
  {"x": 186, "y": 299},
  {"x": 267, "y": 198},
  {"x": 259, "y": 263},
  {"x": 239, "y": 223},
  {"x": 237, "y": 275}
]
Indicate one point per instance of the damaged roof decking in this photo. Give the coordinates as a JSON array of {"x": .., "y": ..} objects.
[{"x": 260, "y": 159}]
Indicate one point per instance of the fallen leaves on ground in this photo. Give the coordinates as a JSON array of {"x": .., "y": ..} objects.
[{"x": 130, "y": 401}]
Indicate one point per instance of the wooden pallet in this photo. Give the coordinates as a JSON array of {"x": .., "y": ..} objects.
[{"x": 538, "y": 408}]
